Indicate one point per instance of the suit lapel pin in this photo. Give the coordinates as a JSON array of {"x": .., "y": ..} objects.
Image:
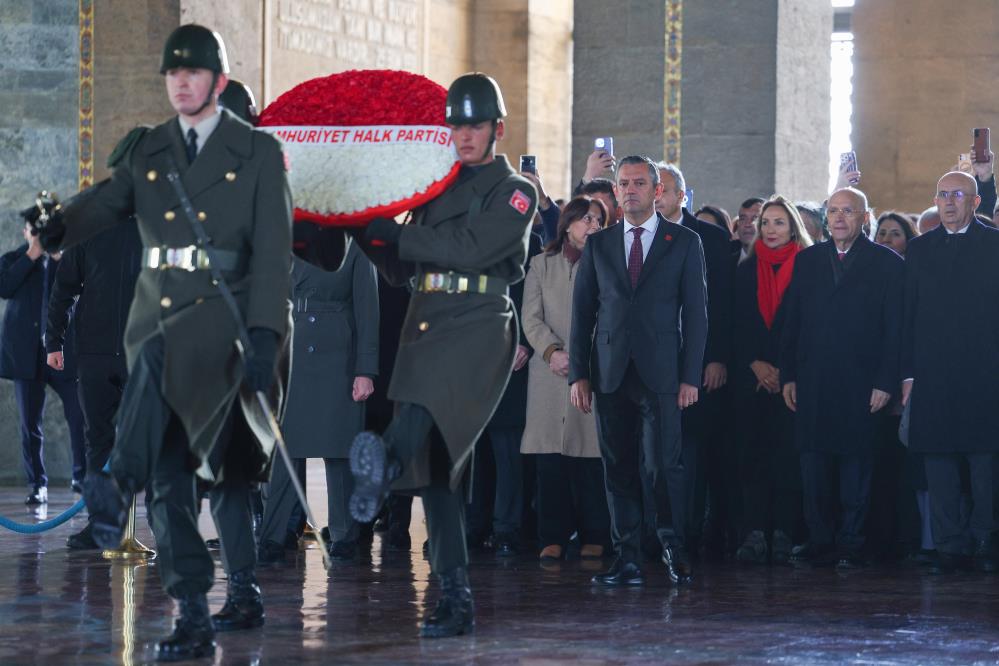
[{"x": 668, "y": 237}]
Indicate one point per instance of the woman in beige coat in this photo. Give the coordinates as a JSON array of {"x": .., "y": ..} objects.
[{"x": 570, "y": 488}]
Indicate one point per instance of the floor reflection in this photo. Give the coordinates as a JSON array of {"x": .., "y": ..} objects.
[{"x": 60, "y": 607}]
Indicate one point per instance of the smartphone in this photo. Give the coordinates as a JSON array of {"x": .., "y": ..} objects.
[
  {"x": 982, "y": 147},
  {"x": 604, "y": 143},
  {"x": 964, "y": 163},
  {"x": 529, "y": 164},
  {"x": 847, "y": 163}
]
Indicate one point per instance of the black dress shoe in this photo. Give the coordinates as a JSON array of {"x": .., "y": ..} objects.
[
  {"x": 213, "y": 544},
  {"x": 506, "y": 544},
  {"x": 621, "y": 574},
  {"x": 780, "y": 548},
  {"x": 850, "y": 561},
  {"x": 677, "y": 563},
  {"x": 82, "y": 540},
  {"x": 397, "y": 540},
  {"x": 985, "y": 556},
  {"x": 455, "y": 612},
  {"x": 343, "y": 551},
  {"x": 38, "y": 495},
  {"x": 108, "y": 505},
  {"x": 270, "y": 552},
  {"x": 374, "y": 470},
  {"x": 754, "y": 549},
  {"x": 947, "y": 563},
  {"x": 244, "y": 607},
  {"x": 193, "y": 636}
]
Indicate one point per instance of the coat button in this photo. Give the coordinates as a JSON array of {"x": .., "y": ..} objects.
[
  {"x": 310, "y": 349},
  {"x": 151, "y": 175},
  {"x": 312, "y": 319},
  {"x": 165, "y": 302},
  {"x": 424, "y": 326},
  {"x": 169, "y": 215},
  {"x": 201, "y": 216},
  {"x": 230, "y": 176}
]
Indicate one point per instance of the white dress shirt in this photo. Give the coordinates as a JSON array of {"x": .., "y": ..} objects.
[
  {"x": 204, "y": 129},
  {"x": 650, "y": 225},
  {"x": 962, "y": 230}
]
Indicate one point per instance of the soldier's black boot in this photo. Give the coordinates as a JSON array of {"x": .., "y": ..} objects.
[
  {"x": 244, "y": 607},
  {"x": 455, "y": 613},
  {"x": 193, "y": 635},
  {"x": 108, "y": 505},
  {"x": 374, "y": 469}
]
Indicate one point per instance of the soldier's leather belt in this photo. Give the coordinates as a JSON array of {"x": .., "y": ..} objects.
[
  {"x": 460, "y": 283},
  {"x": 191, "y": 258}
]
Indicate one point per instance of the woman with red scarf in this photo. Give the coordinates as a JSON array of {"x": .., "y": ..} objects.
[{"x": 768, "y": 461}]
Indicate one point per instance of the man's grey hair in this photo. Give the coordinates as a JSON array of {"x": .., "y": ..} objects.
[
  {"x": 641, "y": 159},
  {"x": 857, "y": 195},
  {"x": 674, "y": 171}
]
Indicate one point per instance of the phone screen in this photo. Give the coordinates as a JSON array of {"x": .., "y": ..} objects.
[{"x": 529, "y": 164}]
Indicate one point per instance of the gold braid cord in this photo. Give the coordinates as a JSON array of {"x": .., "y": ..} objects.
[
  {"x": 674, "y": 50},
  {"x": 85, "y": 126}
]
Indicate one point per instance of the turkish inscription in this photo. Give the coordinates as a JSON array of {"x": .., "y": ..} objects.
[{"x": 378, "y": 34}]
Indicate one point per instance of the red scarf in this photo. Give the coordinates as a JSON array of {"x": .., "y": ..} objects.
[
  {"x": 771, "y": 285},
  {"x": 572, "y": 255}
]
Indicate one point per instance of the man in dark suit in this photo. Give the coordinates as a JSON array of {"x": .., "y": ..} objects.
[
  {"x": 703, "y": 435},
  {"x": 839, "y": 367},
  {"x": 26, "y": 276},
  {"x": 639, "y": 328},
  {"x": 950, "y": 359}
]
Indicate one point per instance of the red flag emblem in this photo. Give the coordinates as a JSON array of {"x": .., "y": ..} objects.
[{"x": 520, "y": 202}]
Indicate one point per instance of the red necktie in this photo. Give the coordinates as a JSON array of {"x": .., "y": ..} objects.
[
  {"x": 842, "y": 256},
  {"x": 635, "y": 256}
]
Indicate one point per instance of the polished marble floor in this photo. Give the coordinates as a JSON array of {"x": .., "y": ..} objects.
[{"x": 58, "y": 607}]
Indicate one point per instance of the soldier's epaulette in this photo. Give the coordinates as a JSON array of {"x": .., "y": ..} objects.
[{"x": 125, "y": 145}]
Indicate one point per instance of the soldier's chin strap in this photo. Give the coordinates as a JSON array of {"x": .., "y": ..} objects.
[
  {"x": 211, "y": 95},
  {"x": 242, "y": 342}
]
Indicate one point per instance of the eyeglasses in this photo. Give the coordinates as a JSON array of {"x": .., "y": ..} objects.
[
  {"x": 846, "y": 211},
  {"x": 956, "y": 195}
]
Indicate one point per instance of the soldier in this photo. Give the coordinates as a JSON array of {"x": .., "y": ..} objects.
[
  {"x": 185, "y": 372},
  {"x": 458, "y": 341}
]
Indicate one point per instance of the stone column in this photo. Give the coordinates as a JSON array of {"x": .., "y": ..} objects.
[
  {"x": 753, "y": 102},
  {"x": 924, "y": 76}
]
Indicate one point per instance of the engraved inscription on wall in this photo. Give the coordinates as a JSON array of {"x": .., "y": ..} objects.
[{"x": 358, "y": 33}]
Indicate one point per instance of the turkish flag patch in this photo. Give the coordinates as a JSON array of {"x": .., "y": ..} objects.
[{"x": 520, "y": 202}]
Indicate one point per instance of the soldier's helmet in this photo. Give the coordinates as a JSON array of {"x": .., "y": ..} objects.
[
  {"x": 194, "y": 46},
  {"x": 238, "y": 98},
  {"x": 473, "y": 98}
]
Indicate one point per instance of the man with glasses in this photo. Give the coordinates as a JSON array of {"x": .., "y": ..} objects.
[
  {"x": 950, "y": 359},
  {"x": 839, "y": 368}
]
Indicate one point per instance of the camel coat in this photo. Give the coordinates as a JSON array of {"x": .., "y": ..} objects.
[{"x": 553, "y": 424}]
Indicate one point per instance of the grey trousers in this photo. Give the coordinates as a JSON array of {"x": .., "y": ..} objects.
[{"x": 280, "y": 500}]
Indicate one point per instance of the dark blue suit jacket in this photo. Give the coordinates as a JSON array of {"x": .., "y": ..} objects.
[
  {"x": 23, "y": 284},
  {"x": 662, "y": 323}
]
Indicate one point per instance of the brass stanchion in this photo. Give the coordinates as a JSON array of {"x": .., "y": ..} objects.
[{"x": 130, "y": 548}]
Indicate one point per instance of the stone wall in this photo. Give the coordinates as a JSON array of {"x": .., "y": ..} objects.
[
  {"x": 924, "y": 76},
  {"x": 39, "y": 55}
]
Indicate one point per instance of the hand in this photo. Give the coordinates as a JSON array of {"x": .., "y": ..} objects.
[
  {"x": 363, "y": 388},
  {"x": 879, "y": 399},
  {"x": 983, "y": 170},
  {"x": 715, "y": 376},
  {"x": 598, "y": 163},
  {"x": 55, "y": 361},
  {"x": 687, "y": 396},
  {"x": 544, "y": 201},
  {"x": 558, "y": 363},
  {"x": 791, "y": 396},
  {"x": 382, "y": 231},
  {"x": 260, "y": 360},
  {"x": 523, "y": 353},
  {"x": 34, "y": 244},
  {"x": 847, "y": 179},
  {"x": 906, "y": 391},
  {"x": 581, "y": 396},
  {"x": 767, "y": 375}
]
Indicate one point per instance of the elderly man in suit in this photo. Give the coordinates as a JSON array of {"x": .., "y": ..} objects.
[
  {"x": 950, "y": 362},
  {"x": 839, "y": 367},
  {"x": 638, "y": 333}
]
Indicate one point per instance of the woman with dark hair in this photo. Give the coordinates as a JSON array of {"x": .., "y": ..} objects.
[
  {"x": 715, "y": 215},
  {"x": 894, "y": 230},
  {"x": 769, "y": 473},
  {"x": 570, "y": 491}
]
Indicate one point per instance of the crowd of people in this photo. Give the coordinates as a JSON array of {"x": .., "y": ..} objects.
[{"x": 800, "y": 383}]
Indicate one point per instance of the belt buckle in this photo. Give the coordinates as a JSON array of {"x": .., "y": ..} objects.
[
  {"x": 171, "y": 256},
  {"x": 450, "y": 282},
  {"x": 434, "y": 282},
  {"x": 187, "y": 258}
]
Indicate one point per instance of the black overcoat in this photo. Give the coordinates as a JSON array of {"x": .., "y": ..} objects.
[
  {"x": 841, "y": 338},
  {"x": 950, "y": 342}
]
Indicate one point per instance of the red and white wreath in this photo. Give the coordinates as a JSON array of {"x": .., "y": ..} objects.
[{"x": 363, "y": 144}]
